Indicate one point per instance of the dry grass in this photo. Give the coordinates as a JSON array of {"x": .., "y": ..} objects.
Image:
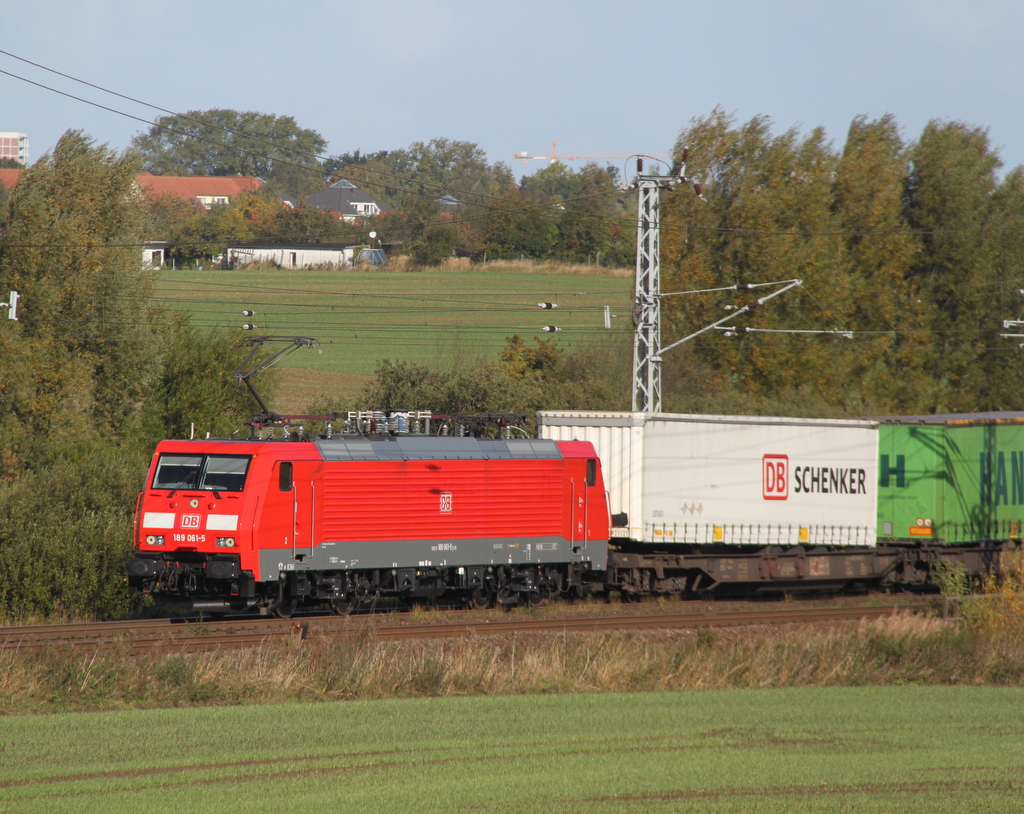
[
  {"x": 548, "y": 267},
  {"x": 999, "y": 611},
  {"x": 402, "y": 262},
  {"x": 899, "y": 650}
]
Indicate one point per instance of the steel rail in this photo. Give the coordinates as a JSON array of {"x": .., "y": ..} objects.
[{"x": 162, "y": 636}]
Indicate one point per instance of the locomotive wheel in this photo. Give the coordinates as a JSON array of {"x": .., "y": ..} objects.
[
  {"x": 536, "y": 598},
  {"x": 283, "y": 609},
  {"x": 480, "y": 599},
  {"x": 343, "y": 606}
]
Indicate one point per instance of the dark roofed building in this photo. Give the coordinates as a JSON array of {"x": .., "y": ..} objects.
[
  {"x": 347, "y": 202},
  {"x": 449, "y": 205}
]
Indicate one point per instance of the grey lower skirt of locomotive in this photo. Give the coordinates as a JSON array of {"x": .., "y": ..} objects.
[{"x": 194, "y": 582}]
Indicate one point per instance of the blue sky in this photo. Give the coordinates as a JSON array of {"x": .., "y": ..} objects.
[{"x": 597, "y": 77}]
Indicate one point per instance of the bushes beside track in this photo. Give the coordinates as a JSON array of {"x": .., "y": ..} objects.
[
  {"x": 65, "y": 535},
  {"x": 898, "y": 650}
]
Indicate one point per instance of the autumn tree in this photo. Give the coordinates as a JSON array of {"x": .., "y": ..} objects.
[
  {"x": 768, "y": 217},
  {"x": 887, "y": 367},
  {"x": 94, "y": 374},
  {"x": 232, "y": 142},
  {"x": 72, "y": 248},
  {"x": 426, "y": 171},
  {"x": 911, "y": 247},
  {"x": 524, "y": 380},
  {"x": 951, "y": 201}
]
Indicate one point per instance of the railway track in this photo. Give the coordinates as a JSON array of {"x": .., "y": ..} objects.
[{"x": 153, "y": 636}]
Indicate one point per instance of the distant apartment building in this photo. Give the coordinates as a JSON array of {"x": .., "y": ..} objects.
[{"x": 14, "y": 145}]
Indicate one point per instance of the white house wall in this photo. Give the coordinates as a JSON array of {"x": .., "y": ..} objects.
[{"x": 294, "y": 258}]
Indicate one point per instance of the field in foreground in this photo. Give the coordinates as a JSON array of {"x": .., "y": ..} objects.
[{"x": 895, "y": 749}]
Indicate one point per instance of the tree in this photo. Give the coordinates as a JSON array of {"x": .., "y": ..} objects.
[
  {"x": 524, "y": 380},
  {"x": 92, "y": 375},
  {"x": 911, "y": 247},
  {"x": 194, "y": 390},
  {"x": 230, "y": 142},
  {"x": 426, "y": 172},
  {"x": 874, "y": 279},
  {"x": 4, "y": 195},
  {"x": 592, "y": 215},
  {"x": 71, "y": 248},
  {"x": 435, "y": 243},
  {"x": 768, "y": 218},
  {"x": 951, "y": 199}
]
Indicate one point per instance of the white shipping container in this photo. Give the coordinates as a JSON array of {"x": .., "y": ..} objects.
[{"x": 742, "y": 480}]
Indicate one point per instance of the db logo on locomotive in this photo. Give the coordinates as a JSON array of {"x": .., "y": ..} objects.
[{"x": 191, "y": 521}]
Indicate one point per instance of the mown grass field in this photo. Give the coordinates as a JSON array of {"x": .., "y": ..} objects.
[
  {"x": 894, "y": 749},
  {"x": 452, "y": 315}
]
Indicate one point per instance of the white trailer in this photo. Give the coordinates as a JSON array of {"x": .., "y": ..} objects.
[{"x": 740, "y": 480}]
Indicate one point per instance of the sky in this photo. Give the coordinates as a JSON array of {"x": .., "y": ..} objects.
[{"x": 597, "y": 77}]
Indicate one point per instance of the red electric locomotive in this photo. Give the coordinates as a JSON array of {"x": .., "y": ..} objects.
[{"x": 230, "y": 525}]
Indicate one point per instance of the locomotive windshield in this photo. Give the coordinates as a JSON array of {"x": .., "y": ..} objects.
[{"x": 215, "y": 473}]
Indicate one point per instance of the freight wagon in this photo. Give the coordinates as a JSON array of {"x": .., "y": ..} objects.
[
  {"x": 735, "y": 480},
  {"x": 702, "y": 503},
  {"x": 951, "y": 479}
]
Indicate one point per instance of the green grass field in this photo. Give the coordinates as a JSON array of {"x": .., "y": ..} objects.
[
  {"x": 893, "y": 749},
  {"x": 441, "y": 317}
]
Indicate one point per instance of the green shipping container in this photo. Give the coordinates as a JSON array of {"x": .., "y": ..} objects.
[{"x": 954, "y": 479}]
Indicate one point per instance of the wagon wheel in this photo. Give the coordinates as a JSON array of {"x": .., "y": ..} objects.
[{"x": 481, "y": 599}]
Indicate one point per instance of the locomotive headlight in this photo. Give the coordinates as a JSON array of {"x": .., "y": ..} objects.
[
  {"x": 154, "y": 539},
  {"x": 226, "y": 542}
]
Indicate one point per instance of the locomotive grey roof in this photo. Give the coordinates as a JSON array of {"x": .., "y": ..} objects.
[{"x": 433, "y": 448}]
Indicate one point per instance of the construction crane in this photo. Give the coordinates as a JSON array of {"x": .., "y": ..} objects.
[{"x": 582, "y": 157}]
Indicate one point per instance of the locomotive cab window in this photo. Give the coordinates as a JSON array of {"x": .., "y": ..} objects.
[
  {"x": 284, "y": 477},
  {"x": 221, "y": 473},
  {"x": 591, "y": 471}
]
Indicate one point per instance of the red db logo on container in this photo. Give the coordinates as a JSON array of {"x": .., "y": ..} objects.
[{"x": 775, "y": 477}]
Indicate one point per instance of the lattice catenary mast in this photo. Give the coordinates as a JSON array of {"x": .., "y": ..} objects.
[{"x": 647, "y": 297}]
